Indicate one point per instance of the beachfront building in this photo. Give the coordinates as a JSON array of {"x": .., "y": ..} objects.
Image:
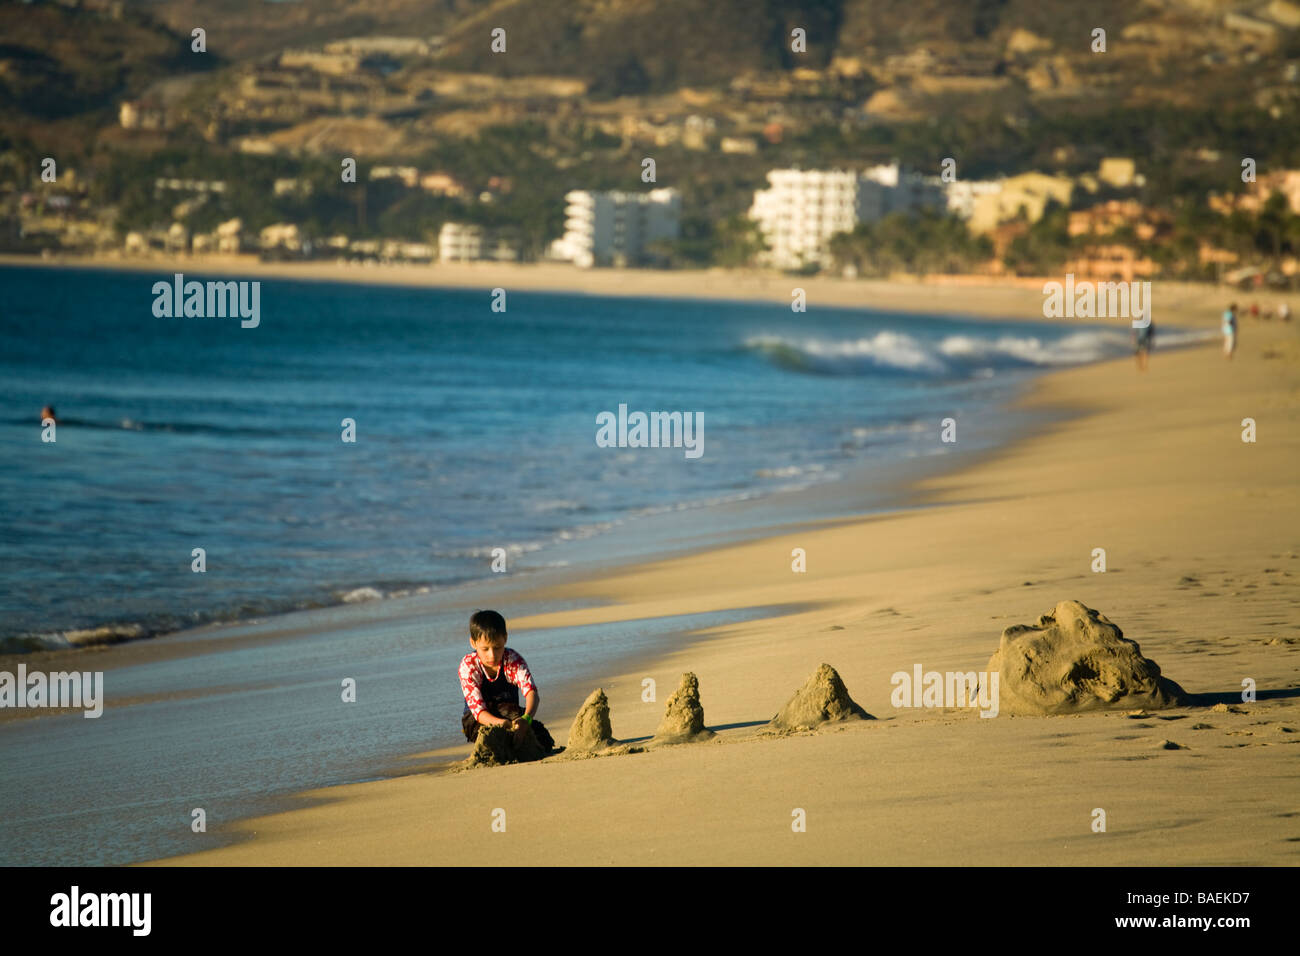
[
  {"x": 1257, "y": 194},
  {"x": 1104, "y": 219},
  {"x": 801, "y": 209},
  {"x": 1028, "y": 194},
  {"x": 460, "y": 242},
  {"x": 963, "y": 194},
  {"x": 615, "y": 228},
  {"x": 468, "y": 242}
]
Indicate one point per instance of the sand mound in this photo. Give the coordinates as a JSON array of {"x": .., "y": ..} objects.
[
  {"x": 496, "y": 746},
  {"x": 822, "y": 698},
  {"x": 1075, "y": 659},
  {"x": 591, "y": 729},
  {"x": 684, "y": 716}
]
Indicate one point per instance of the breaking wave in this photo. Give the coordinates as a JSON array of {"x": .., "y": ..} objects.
[{"x": 953, "y": 356}]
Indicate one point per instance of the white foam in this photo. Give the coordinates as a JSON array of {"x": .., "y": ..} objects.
[{"x": 962, "y": 354}]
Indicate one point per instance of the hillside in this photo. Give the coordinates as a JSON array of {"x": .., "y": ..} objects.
[
  {"x": 587, "y": 89},
  {"x": 57, "y": 62}
]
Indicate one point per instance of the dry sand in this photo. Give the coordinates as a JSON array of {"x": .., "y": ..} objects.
[{"x": 1202, "y": 540}]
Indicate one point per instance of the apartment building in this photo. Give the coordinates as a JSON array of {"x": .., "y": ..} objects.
[
  {"x": 801, "y": 209},
  {"x": 615, "y": 228},
  {"x": 467, "y": 242}
]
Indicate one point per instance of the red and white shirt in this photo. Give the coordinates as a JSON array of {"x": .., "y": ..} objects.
[{"x": 472, "y": 677}]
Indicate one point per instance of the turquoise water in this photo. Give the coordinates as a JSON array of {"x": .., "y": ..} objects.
[{"x": 475, "y": 430}]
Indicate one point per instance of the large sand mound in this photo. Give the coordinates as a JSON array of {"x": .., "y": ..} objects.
[
  {"x": 822, "y": 698},
  {"x": 1074, "y": 659},
  {"x": 496, "y": 746},
  {"x": 684, "y": 716},
  {"x": 591, "y": 729}
]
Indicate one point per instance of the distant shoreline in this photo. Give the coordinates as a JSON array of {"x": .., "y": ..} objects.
[{"x": 963, "y": 296}]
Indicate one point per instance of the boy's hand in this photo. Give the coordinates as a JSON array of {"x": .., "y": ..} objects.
[{"x": 520, "y": 727}]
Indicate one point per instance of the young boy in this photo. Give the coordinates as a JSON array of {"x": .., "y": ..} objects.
[{"x": 491, "y": 678}]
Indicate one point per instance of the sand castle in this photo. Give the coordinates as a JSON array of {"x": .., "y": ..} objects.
[
  {"x": 496, "y": 746},
  {"x": 1072, "y": 659},
  {"x": 823, "y": 698},
  {"x": 1075, "y": 659},
  {"x": 683, "y": 720},
  {"x": 591, "y": 729}
]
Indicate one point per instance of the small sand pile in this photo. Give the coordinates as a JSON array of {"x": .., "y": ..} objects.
[
  {"x": 496, "y": 746},
  {"x": 1075, "y": 659},
  {"x": 591, "y": 728},
  {"x": 684, "y": 716},
  {"x": 1222, "y": 708},
  {"x": 822, "y": 698}
]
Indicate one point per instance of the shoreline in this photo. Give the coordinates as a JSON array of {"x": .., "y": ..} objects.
[
  {"x": 893, "y": 485},
  {"x": 901, "y": 600},
  {"x": 973, "y": 297},
  {"x": 873, "y": 488},
  {"x": 982, "y": 301}
]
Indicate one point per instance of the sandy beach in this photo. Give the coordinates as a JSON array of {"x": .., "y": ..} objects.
[
  {"x": 972, "y": 297},
  {"x": 1202, "y": 541}
]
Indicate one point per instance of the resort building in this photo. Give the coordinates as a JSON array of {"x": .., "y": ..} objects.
[
  {"x": 467, "y": 242},
  {"x": 460, "y": 242},
  {"x": 615, "y": 228},
  {"x": 1028, "y": 193},
  {"x": 802, "y": 209},
  {"x": 963, "y": 194}
]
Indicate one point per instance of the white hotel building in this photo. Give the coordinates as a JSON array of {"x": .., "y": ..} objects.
[
  {"x": 802, "y": 209},
  {"x": 614, "y": 228}
]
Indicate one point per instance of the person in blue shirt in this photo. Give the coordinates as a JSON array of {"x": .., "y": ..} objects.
[{"x": 1230, "y": 331}]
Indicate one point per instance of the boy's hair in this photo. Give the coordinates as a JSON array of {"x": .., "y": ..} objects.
[{"x": 487, "y": 624}]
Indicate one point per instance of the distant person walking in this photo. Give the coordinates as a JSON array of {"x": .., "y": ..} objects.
[
  {"x": 1230, "y": 331},
  {"x": 1284, "y": 312},
  {"x": 1143, "y": 339}
]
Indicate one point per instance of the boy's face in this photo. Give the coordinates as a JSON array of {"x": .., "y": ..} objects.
[{"x": 490, "y": 651}]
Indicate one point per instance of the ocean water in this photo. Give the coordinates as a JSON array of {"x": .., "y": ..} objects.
[{"x": 475, "y": 430}]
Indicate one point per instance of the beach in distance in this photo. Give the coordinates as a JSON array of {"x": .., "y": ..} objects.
[
  {"x": 968, "y": 296},
  {"x": 825, "y": 526}
]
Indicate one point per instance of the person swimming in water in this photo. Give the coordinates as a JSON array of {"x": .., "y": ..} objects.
[{"x": 47, "y": 411}]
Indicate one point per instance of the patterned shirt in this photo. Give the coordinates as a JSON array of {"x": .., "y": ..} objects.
[{"x": 472, "y": 677}]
